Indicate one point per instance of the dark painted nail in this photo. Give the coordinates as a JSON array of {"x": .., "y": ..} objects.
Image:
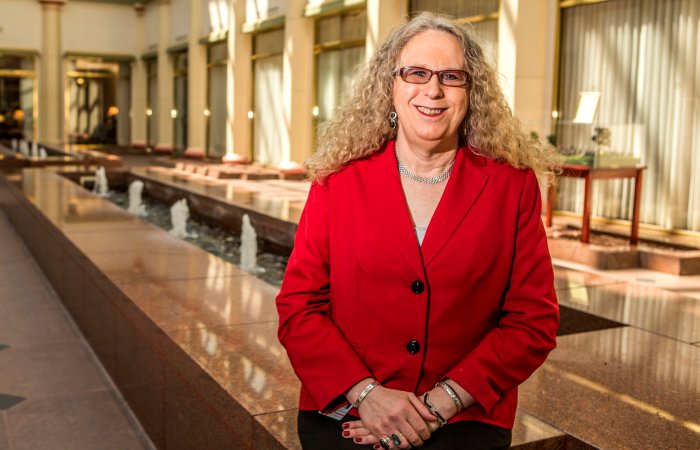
[
  {"x": 346, "y": 425},
  {"x": 358, "y": 440},
  {"x": 346, "y": 433}
]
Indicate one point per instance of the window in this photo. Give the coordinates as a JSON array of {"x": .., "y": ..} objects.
[
  {"x": 179, "y": 113},
  {"x": 17, "y": 97},
  {"x": 481, "y": 14},
  {"x": 457, "y": 8},
  {"x": 217, "y": 95},
  {"x": 152, "y": 103},
  {"x": 340, "y": 49},
  {"x": 93, "y": 108},
  {"x": 642, "y": 56},
  {"x": 269, "y": 128}
]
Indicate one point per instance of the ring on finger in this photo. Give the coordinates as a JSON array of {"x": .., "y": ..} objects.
[
  {"x": 395, "y": 438},
  {"x": 384, "y": 442}
]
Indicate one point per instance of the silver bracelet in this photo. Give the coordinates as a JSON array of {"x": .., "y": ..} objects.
[
  {"x": 451, "y": 392},
  {"x": 433, "y": 410},
  {"x": 364, "y": 393}
]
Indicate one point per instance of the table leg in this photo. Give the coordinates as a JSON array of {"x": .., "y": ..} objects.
[
  {"x": 586, "y": 219},
  {"x": 634, "y": 235},
  {"x": 551, "y": 199}
]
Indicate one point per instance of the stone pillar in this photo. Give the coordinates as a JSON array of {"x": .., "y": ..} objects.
[
  {"x": 297, "y": 84},
  {"x": 51, "y": 76},
  {"x": 526, "y": 35},
  {"x": 382, "y": 17},
  {"x": 196, "y": 83},
  {"x": 123, "y": 101},
  {"x": 139, "y": 82},
  {"x": 165, "y": 82},
  {"x": 239, "y": 82}
]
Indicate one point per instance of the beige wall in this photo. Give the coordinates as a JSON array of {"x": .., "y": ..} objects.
[
  {"x": 526, "y": 60},
  {"x": 90, "y": 27},
  {"x": 196, "y": 82},
  {"x": 152, "y": 23},
  {"x": 382, "y": 17},
  {"x": 20, "y": 24},
  {"x": 138, "y": 85},
  {"x": 262, "y": 9},
  {"x": 297, "y": 83},
  {"x": 215, "y": 16},
  {"x": 239, "y": 81},
  {"x": 179, "y": 21}
]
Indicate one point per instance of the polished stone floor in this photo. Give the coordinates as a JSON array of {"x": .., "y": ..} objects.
[
  {"x": 54, "y": 393},
  {"x": 632, "y": 386}
]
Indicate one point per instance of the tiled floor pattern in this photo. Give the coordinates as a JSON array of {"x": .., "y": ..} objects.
[{"x": 54, "y": 394}]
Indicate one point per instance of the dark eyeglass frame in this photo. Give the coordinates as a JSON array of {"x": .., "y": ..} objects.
[{"x": 440, "y": 74}]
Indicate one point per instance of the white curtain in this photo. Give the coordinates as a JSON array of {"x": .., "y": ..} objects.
[
  {"x": 334, "y": 76},
  {"x": 181, "y": 102},
  {"x": 643, "y": 56},
  {"x": 336, "y": 68},
  {"x": 268, "y": 119},
  {"x": 152, "y": 102},
  {"x": 26, "y": 89},
  {"x": 217, "y": 108}
]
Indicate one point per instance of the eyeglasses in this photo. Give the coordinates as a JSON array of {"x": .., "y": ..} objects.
[{"x": 421, "y": 75}]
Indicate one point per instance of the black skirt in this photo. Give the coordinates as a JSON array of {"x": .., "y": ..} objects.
[{"x": 318, "y": 432}]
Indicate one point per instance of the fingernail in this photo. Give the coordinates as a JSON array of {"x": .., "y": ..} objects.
[
  {"x": 346, "y": 433},
  {"x": 376, "y": 446},
  {"x": 358, "y": 440},
  {"x": 346, "y": 425}
]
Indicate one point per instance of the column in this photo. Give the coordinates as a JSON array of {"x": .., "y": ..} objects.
[
  {"x": 165, "y": 82},
  {"x": 239, "y": 82},
  {"x": 196, "y": 84},
  {"x": 526, "y": 44},
  {"x": 139, "y": 82},
  {"x": 382, "y": 17},
  {"x": 297, "y": 84},
  {"x": 51, "y": 85},
  {"x": 124, "y": 105}
]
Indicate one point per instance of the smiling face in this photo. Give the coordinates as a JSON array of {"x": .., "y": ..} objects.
[{"x": 430, "y": 114}]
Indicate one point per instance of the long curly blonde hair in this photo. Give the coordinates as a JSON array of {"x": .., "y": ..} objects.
[{"x": 360, "y": 126}]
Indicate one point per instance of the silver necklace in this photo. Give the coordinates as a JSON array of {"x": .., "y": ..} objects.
[{"x": 425, "y": 180}]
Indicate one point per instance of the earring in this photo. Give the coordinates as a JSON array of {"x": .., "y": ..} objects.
[{"x": 392, "y": 119}]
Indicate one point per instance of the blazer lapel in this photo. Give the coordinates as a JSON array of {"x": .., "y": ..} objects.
[
  {"x": 387, "y": 204},
  {"x": 466, "y": 183}
]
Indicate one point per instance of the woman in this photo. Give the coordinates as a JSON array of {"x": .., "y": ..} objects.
[{"x": 420, "y": 290}]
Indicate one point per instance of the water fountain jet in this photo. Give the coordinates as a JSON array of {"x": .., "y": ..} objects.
[
  {"x": 136, "y": 205},
  {"x": 249, "y": 247},
  {"x": 101, "y": 187},
  {"x": 179, "y": 213}
]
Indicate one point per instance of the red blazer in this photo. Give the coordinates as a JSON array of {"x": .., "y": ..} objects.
[{"x": 474, "y": 303}]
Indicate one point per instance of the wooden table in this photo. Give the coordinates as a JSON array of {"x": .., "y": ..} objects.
[{"x": 595, "y": 173}]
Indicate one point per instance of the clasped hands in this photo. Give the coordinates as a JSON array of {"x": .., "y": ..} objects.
[{"x": 397, "y": 416}]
